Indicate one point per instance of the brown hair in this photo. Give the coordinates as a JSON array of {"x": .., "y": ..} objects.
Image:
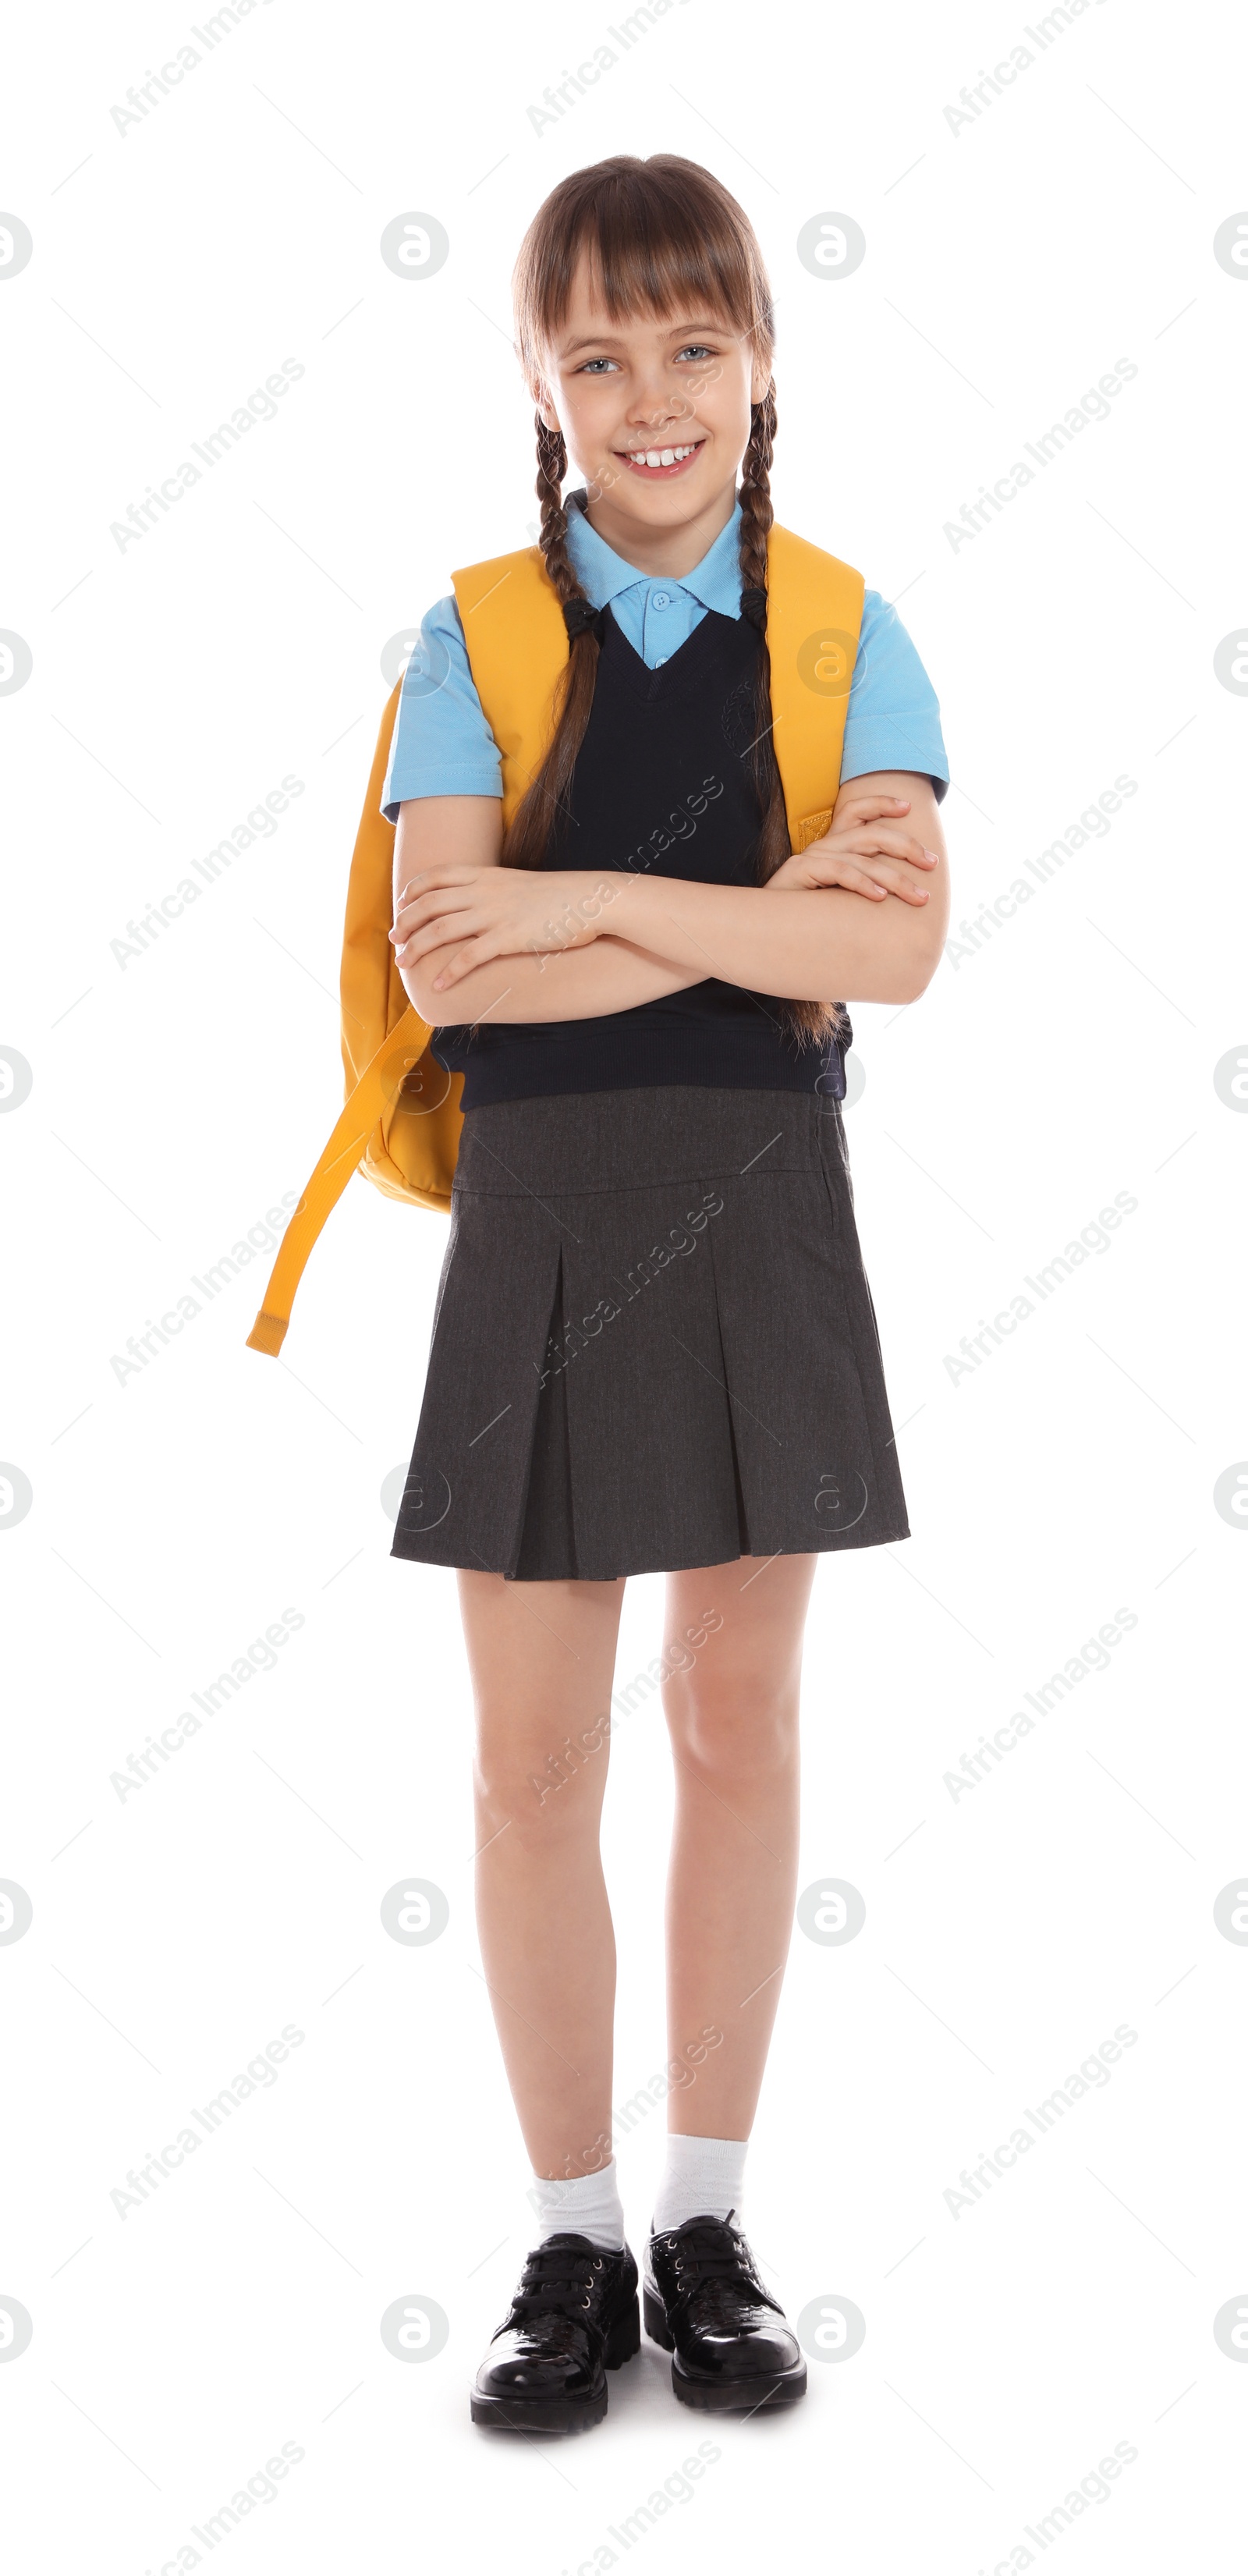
[{"x": 659, "y": 233}]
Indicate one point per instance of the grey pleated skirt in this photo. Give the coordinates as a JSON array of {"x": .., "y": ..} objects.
[{"x": 654, "y": 1346}]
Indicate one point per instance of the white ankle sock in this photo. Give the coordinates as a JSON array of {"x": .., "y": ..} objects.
[
  {"x": 702, "y": 2177},
  {"x": 588, "y": 2205}
]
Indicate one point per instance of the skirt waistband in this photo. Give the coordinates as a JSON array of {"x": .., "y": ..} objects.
[{"x": 575, "y": 1142}]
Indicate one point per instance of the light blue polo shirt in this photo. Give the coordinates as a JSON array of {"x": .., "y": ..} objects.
[{"x": 443, "y": 746}]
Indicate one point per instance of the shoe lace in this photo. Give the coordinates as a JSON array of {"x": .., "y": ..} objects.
[
  {"x": 714, "y": 2265},
  {"x": 557, "y": 2280}
]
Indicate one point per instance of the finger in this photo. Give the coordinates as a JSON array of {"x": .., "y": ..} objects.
[
  {"x": 844, "y": 873},
  {"x": 436, "y": 934},
  {"x": 429, "y": 907},
  {"x": 477, "y": 953},
  {"x": 893, "y": 877},
  {"x": 410, "y": 918},
  {"x": 882, "y": 876},
  {"x": 427, "y": 899},
  {"x": 910, "y": 893},
  {"x": 430, "y": 880},
  {"x": 868, "y": 809},
  {"x": 895, "y": 872},
  {"x": 433, "y": 936},
  {"x": 438, "y": 872},
  {"x": 894, "y": 845},
  {"x": 877, "y": 862},
  {"x": 440, "y": 934}
]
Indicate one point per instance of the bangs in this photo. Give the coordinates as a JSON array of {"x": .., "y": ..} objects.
[{"x": 660, "y": 237}]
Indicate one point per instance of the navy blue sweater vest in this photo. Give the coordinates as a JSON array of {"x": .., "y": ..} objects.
[{"x": 663, "y": 782}]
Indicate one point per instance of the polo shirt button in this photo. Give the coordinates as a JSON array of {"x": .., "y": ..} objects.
[{"x": 660, "y": 599}]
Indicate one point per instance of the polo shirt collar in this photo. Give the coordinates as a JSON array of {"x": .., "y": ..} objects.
[{"x": 715, "y": 582}]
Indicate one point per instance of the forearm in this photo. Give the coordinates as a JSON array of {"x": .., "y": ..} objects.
[
  {"x": 519, "y": 944},
  {"x": 821, "y": 945},
  {"x": 577, "y": 984}
]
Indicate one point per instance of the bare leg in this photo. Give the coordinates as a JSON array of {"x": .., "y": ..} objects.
[
  {"x": 732, "y": 1714},
  {"x": 542, "y": 1659}
]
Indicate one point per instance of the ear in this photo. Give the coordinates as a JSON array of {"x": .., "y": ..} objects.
[
  {"x": 760, "y": 380},
  {"x": 539, "y": 395}
]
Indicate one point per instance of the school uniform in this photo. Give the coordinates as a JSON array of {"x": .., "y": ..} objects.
[{"x": 654, "y": 1345}]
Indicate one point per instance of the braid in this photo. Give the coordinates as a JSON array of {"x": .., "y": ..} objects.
[
  {"x": 816, "y": 1020},
  {"x": 756, "y": 520},
  {"x": 552, "y": 465},
  {"x": 756, "y": 509},
  {"x": 544, "y": 805}
]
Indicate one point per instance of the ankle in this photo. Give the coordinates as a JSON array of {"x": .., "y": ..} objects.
[
  {"x": 702, "y": 2177},
  {"x": 587, "y": 2205}
]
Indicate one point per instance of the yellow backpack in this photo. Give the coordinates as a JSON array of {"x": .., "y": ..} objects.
[{"x": 402, "y": 1119}]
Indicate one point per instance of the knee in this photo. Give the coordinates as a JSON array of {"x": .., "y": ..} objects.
[
  {"x": 743, "y": 1727},
  {"x": 535, "y": 1779}
]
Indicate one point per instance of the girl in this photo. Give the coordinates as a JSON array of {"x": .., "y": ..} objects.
[{"x": 654, "y": 1346}]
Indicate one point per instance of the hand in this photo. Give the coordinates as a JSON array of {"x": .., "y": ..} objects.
[
  {"x": 490, "y": 912},
  {"x": 862, "y": 854}
]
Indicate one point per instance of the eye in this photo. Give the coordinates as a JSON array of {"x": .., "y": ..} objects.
[
  {"x": 591, "y": 364},
  {"x": 695, "y": 349}
]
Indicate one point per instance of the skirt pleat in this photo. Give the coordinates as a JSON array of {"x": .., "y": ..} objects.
[{"x": 654, "y": 1345}]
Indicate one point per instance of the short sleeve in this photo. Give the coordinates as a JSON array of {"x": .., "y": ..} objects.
[
  {"x": 442, "y": 744},
  {"x": 893, "y": 718}
]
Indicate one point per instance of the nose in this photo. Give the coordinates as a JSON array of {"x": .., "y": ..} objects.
[{"x": 659, "y": 403}]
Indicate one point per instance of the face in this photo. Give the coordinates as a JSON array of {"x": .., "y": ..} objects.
[{"x": 677, "y": 391}]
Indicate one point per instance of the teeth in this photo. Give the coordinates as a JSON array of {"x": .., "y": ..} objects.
[{"x": 656, "y": 456}]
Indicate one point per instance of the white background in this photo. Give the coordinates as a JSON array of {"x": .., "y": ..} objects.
[{"x": 175, "y": 1515}]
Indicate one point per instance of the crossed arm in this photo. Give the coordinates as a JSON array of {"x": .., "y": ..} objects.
[{"x": 860, "y": 916}]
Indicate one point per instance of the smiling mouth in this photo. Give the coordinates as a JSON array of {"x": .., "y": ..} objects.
[{"x": 658, "y": 461}]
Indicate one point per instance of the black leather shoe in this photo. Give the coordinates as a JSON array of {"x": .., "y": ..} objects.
[
  {"x": 704, "y": 2302},
  {"x": 573, "y": 2318}
]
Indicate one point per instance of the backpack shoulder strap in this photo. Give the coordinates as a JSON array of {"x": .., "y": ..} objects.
[
  {"x": 342, "y": 1156},
  {"x": 814, "y": 615},
  {"x": 517, "y": 646}
]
